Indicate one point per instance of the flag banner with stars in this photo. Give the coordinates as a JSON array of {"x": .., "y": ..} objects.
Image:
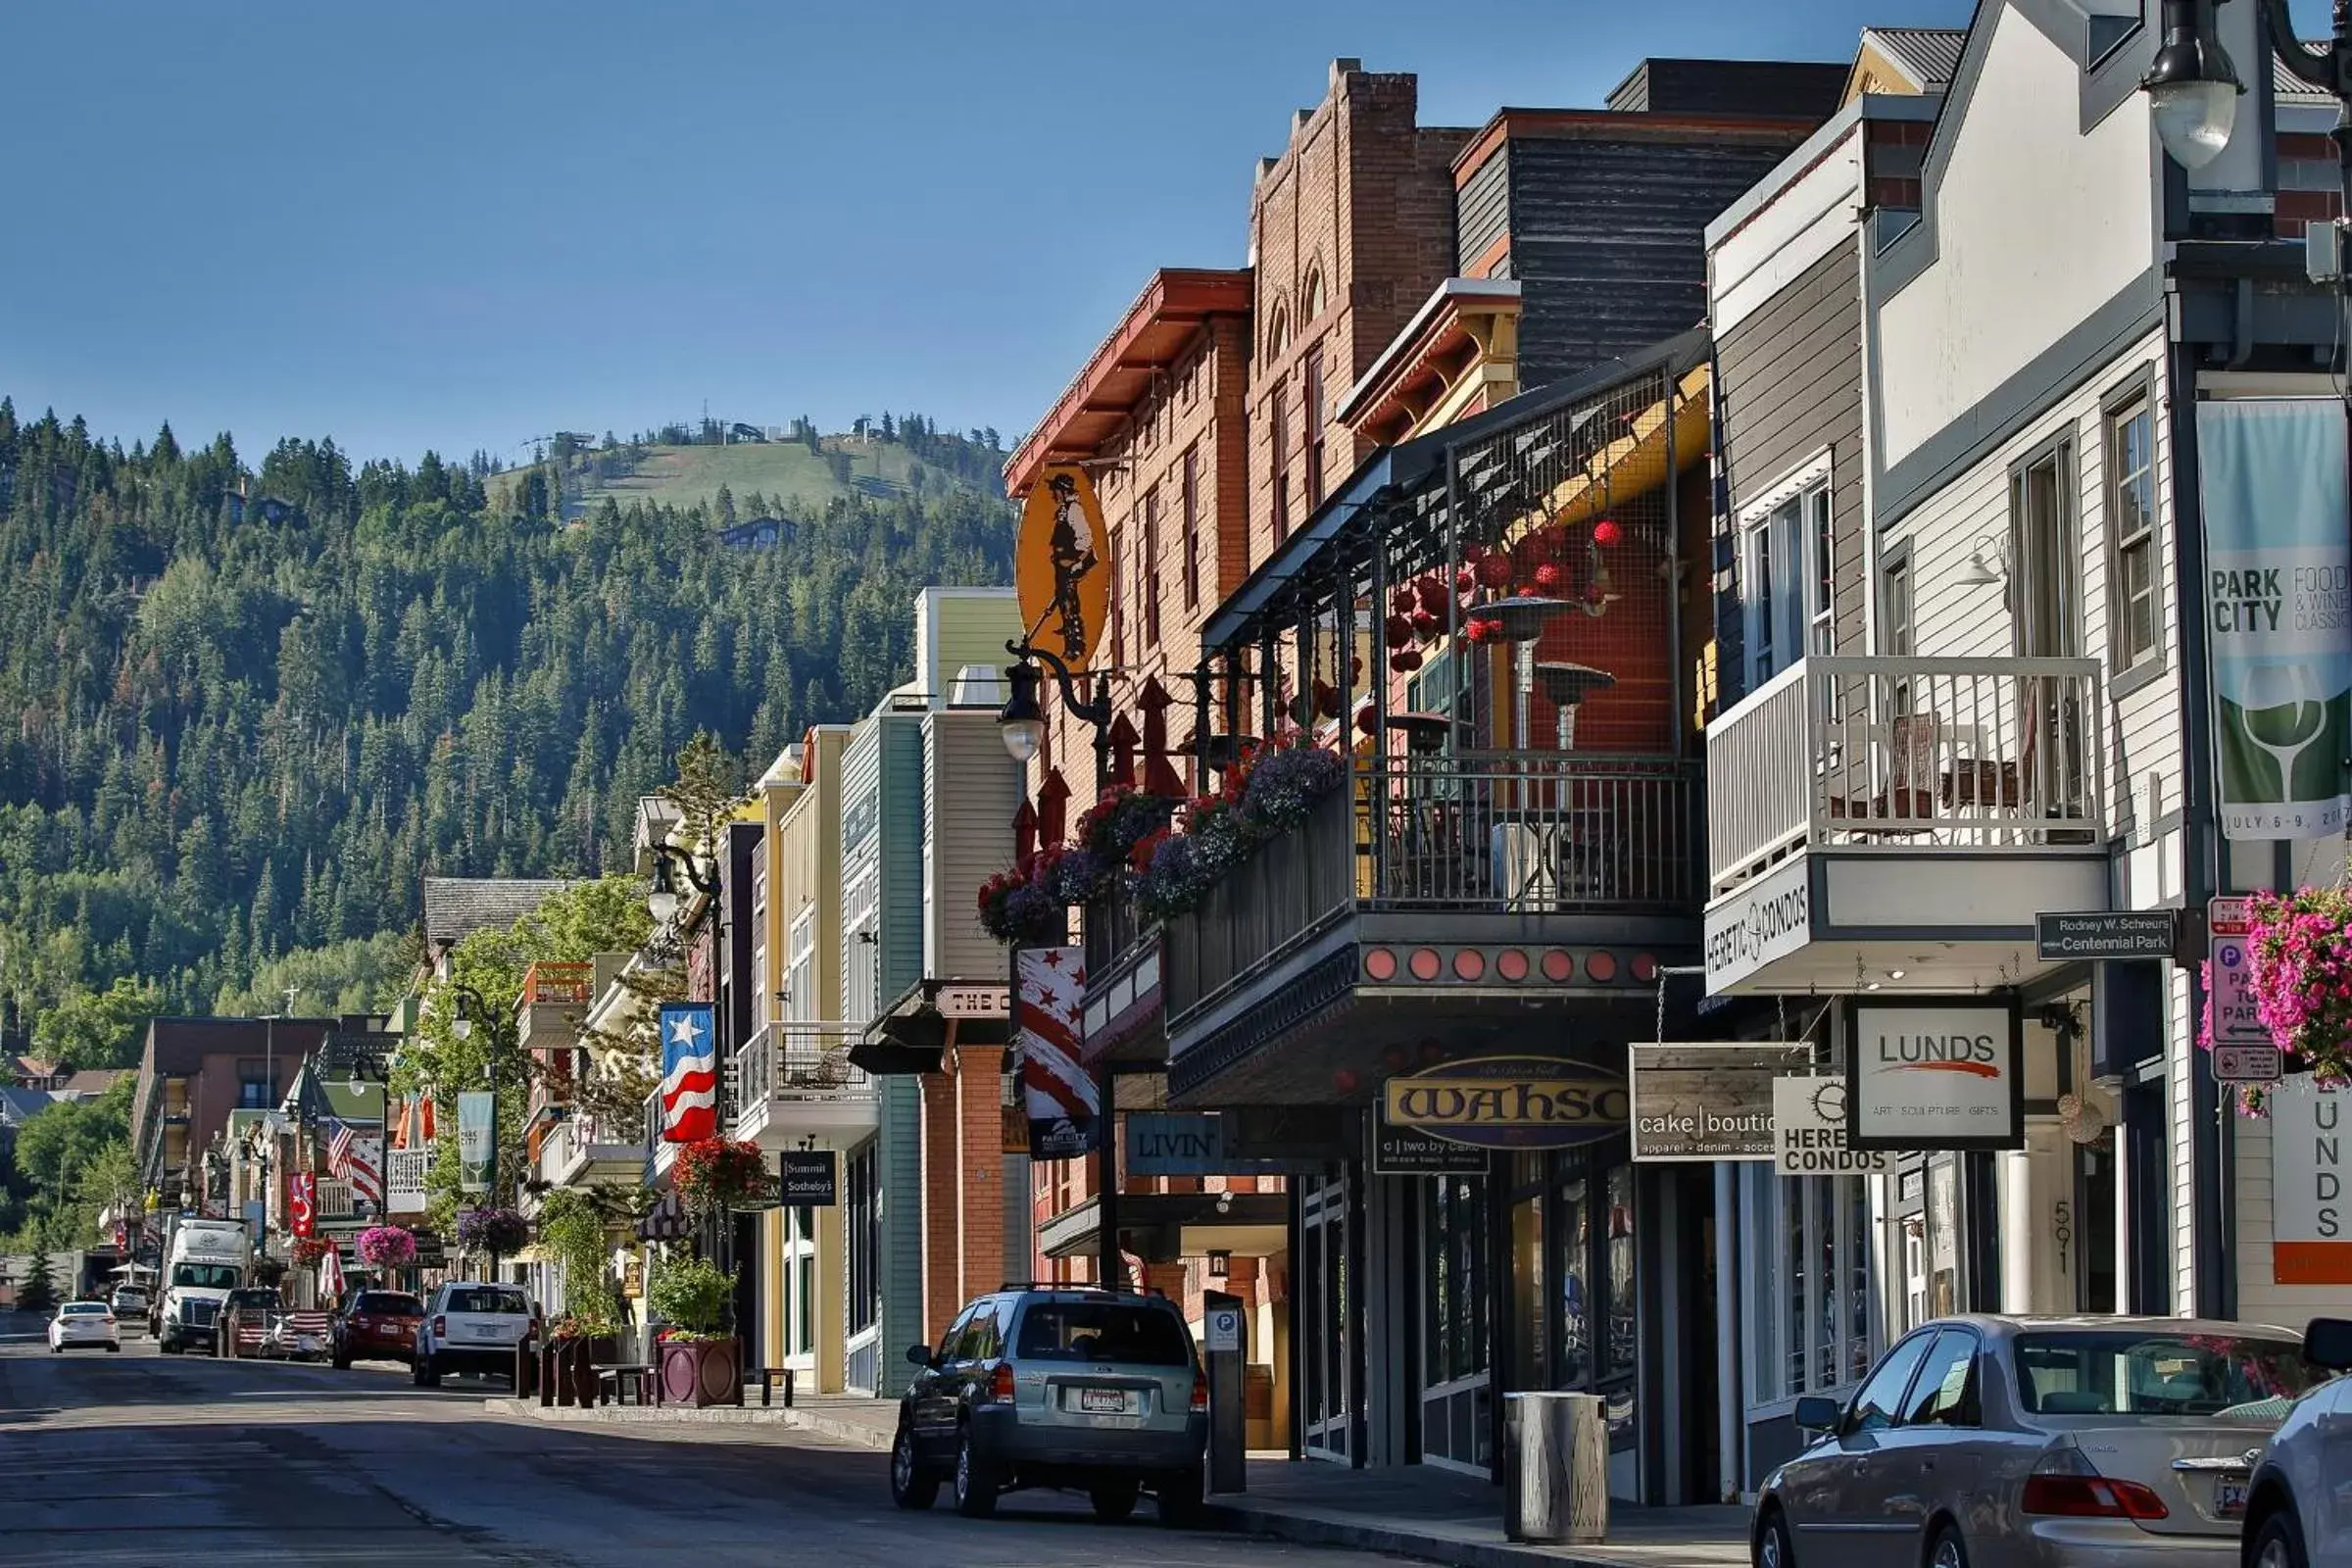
[
  {"x": 1057, "y": 1091},
  {"x": 689, "y": 1072}
]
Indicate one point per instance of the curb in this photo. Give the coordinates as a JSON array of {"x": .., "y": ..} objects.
[
  {"x": 853, "y": 1432},
  {"x": 1321, "y": 1530}
]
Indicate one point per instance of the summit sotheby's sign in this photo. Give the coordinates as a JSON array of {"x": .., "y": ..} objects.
[{"x": 1934, "y": 1072}]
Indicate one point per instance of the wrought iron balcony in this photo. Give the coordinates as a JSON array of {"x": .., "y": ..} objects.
[
  {"x": 581, "y": 1149},
  {"x": 1442, "y": 884}
]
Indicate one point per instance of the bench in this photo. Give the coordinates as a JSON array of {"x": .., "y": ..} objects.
[
  {"x": 766, "y": 1378},
  {"x": 616, "y": 1379}
]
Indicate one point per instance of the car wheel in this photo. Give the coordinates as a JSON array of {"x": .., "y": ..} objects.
[
  {"x": 1114, "y": 1500},
  {"x": 975, "y": 1483},
  {"x": 1773, "y": 1549},
  {"x": 342, "y": 1361},
  {"x": 1180, "y": 1498},
  {"x": 429, "y": 1376},
  {"x": 1946, "y": 1550},
  {"x": 911, "y": 1487},
  {"x": 2278, "y": 1543},
  {"x": 168, "y": 1346}
]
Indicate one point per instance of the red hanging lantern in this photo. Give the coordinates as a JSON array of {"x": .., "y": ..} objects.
[
  {"x": 1465, "y": 582},
  {"x": 1605, "y": 532},
  {"x": 1404, "y": 660},
  {"x": 1432, "y": 594},
  {"x": 1548, "y": 578},
  {"x": 1401, "y": 600},
  {"x": 1400, "y": 628},
  {"x": 1426, "y": 626},
  {"x": 1495, "y": 571}
]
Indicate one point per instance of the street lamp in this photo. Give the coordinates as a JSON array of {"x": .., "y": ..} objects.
[
  {"x": 1022, "y": 722},
  {"x": 2193, "y": 90}
]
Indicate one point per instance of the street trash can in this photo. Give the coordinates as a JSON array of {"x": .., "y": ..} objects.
[{"x": 1556, "y": 1475}]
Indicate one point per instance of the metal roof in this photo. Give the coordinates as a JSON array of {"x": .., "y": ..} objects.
[
  {"x": 1414, "y": 471},
  {"x": 2286, "y": 85},
  {"x": 456, "y": 907},
  {"x": 1929, "y": 54}
]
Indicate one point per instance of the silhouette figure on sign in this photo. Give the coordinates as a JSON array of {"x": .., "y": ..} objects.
[{"x": 1073, "y": 556}]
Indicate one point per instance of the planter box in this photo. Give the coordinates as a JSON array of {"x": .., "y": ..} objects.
[
  {"x": 701, "y": 1372},
  {"x": 574, "y": 1367}
]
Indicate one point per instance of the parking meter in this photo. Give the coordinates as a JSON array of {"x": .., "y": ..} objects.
[{"x": 1222, "y": 1346}]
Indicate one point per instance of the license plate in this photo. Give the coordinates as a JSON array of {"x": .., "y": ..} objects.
[
  {"x": 485, "y": 1331},
  {"x": 308, "y": 1344},
  {"x": 1102, "y": 1401},
  {"x": 2230, "y": 1498}
]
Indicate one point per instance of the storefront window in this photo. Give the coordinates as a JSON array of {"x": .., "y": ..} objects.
[
  {"x": 1527, "y": 1291},
  {"x": 1620, "y": 1356},
  {"x": 1575, "y": 1366},
  {"x": 2094, "y": 1210},
  {"x": 1812, "y": 1294},
  {"x": 1943, "y": 1236},
  {"x": 1456, "y": 1319}
]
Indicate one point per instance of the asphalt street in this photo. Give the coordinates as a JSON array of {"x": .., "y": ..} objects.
[{"x": 139, "y": 1458}]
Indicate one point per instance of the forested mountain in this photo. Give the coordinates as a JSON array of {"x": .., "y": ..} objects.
[{"x": 238, "y": 725}]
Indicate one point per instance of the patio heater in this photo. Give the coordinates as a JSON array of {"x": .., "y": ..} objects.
[
  {"x": 1524, "y": 617},
  {"x": 1566, "y": 686}
]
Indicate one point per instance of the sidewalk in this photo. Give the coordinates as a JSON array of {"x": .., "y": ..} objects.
[
  {"x": 1412, "y": 1512},
  {"x": 1420, "y": 1511}
]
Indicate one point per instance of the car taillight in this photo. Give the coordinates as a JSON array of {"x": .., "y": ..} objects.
[
  {"x": 1000, "y": 1385},
  {"x": 1199, "y": 1394},
  {"x": 440, "y": 1326},
  {"x": 2066, "y": 1484}
]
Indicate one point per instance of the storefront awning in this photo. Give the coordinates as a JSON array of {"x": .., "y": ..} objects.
[
  {"x": 930, "y": 1018},
  {"x": 1161, "y": 1227}
]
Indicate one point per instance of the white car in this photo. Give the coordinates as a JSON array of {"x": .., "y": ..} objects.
[
  {"x": 2299, "y": 1508},
  {"x": 472, "y": 1326},
  {"x": 83, "y": 1323}
]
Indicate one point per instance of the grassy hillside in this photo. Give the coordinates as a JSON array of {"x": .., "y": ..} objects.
[{"x": 779, "y": 477}]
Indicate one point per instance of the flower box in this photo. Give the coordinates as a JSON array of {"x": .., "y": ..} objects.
[{"x": 701, "y": 1372}]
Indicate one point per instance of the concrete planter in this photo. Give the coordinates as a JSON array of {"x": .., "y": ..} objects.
[{"x": 701, "y": 1372}]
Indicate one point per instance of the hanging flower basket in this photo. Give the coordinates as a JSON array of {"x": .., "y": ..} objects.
[
  {"x": 1270, "y": 792},
  {"x": 715, "y": 1174},
  {"x": 2299, "y": 980},
  {"x": 387, "y": 1247},
  {"x": 1015, "y": 905},
  {"x": 500, "y": 1232},
  {"x": 310, "y": 1251}
]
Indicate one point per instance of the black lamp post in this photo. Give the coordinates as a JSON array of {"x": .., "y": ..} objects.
[
  {"x": 499, "y": 1043},
  {"x": 668, "y": 865},
  {"x": 2193, "y": 89},
  {"x": 1022, "y": 723}
]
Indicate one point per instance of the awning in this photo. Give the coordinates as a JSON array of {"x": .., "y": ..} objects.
[
  {"x": 1161, "y": 1227},
  {"x": 915, "y": 1031}
]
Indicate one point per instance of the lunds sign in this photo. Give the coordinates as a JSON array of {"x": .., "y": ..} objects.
[
  {"x": 1935, "y": 1074},
  {"x": 1510, "y": 1103}
]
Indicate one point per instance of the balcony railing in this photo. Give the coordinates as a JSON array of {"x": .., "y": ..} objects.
[
  {"x": 1111, "y": 927},
  {"x": 797, "y": 1062},
  {"x": 570, "y": 983},
  {"x": 1533, "y": 832},
  {"x": 1887, "y": 753}
]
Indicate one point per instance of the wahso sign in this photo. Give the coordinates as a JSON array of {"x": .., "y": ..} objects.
[{"x": 1510, "y": 1103}]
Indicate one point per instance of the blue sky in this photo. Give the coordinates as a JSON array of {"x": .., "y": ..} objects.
[{"x": 413, "y": 223}]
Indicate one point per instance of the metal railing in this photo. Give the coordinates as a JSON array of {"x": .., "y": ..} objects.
[
  {"x": 1112, "y": 925},
  {"x": 1916, "y": 752},
  {"x": 797, "y": 1062},
  {"x": 1531, "y": 831},
  {"x": 571, "y": 1141}
]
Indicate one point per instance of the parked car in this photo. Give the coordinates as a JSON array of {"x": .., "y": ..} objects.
[
  {"x": 129, "y": 1303},
  {"x": 1085, "y": 1389},
  {"x": 472, "y": 1326},
  {"x": 2296, "y": 1512},
  {"x": 377, "y": 1326},
  {"x": 83, "y": 1323},
  {"x": 1980, "y": 1442}
]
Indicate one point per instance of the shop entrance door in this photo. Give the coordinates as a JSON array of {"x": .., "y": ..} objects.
[
  {"x": 1326, "y": 1332},
  {"x": 1458, "y": 1293}
]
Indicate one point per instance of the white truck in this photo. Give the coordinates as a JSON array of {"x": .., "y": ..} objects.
[{"x": 204, "y": 1261}]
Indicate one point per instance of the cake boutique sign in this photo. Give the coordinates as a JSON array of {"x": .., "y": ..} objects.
[{"x": 1935, "y": 1072}]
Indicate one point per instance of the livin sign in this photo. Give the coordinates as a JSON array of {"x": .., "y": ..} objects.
[{"x": 1510, "y": 1103}]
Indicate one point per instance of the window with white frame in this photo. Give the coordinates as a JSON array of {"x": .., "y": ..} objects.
[
  {"x": 799, "y": 970},
  {"x": 2136, "y": 614},
  {"x": 1812, "y": 1316},
  {"x": 1788, "y": 564}
]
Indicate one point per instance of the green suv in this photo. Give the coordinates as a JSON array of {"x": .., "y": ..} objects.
[{"x": 1075, "y": 1386}]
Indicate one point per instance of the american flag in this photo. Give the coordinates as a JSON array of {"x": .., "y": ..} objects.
[
  {"x": 358, "y": 1158},
  {"x": 689, "y": 1071}
]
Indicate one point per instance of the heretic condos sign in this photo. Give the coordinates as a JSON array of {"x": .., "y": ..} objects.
[
  {"x": 1933, "y": 1072},
  {"x": 2278, "y": 612},
  {"x": 1509, "y": 1102},
  {"x": 1766, "y": 920}
]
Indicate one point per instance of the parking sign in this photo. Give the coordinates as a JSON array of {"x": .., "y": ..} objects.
[{"x": 2227, "y": 954}]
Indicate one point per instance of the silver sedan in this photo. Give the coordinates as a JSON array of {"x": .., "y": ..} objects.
[{"x": 2044, "y": 1443}]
